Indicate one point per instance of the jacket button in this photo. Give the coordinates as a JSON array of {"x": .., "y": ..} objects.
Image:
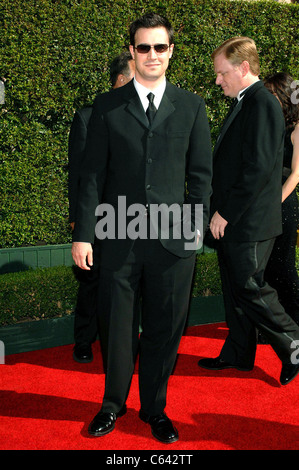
[
  {"x": 149, "y": 160},
  {"x": 148, "y": 186}
]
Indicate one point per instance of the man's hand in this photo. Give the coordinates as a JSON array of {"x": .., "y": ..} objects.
[
  {"x": 82, "y": 254},
  {"x": 217, "y": 225}
]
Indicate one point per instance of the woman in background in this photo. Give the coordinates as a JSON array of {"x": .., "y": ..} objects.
[{"x": 281, "y": 272}]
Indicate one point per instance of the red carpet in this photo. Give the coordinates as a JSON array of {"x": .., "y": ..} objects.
[{"x": 47, "y": 402}]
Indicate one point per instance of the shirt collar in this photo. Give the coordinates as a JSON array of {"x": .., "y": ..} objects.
[
  {"x": 242, "y": 92},
  {"x": 143, "y": 92}
]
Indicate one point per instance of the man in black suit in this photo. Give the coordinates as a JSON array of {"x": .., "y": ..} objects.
[
  {"x": 145, "y": 152},
  {"x": 85, "y": 327},
  {"x": 246, "y": 212}
]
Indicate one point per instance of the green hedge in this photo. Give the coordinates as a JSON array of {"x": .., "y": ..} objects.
[
  {"x": 55, "y": 58},
  {"x": 37, "y": 294},
  {"x": 206, "y": 280}
]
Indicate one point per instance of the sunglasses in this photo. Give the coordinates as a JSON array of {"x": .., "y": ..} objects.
[{"x": 145, "y": 48}]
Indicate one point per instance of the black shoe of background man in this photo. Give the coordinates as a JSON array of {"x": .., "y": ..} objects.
[
  {"x": 219, "y": 364},
  {"x": 82, "y": 353},
  {"x": 261, "y": 339},
  {"x": 288, "y": 372}
]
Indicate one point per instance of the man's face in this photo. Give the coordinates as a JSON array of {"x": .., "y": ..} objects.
[
  {"x": 228, "y": 76},
  {"x": 150, "y": 67}
]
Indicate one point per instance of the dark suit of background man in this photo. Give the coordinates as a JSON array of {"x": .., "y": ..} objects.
[
  {"x": 85, "y": 328},
  {"x": 246, "y": 212},
  {"x": 148, "y": 162}
]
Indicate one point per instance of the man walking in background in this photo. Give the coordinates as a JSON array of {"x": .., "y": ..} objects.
[{"x": 246, "y": 212}]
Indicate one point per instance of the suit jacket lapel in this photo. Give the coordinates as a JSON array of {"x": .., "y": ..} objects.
[
  {"x": 166, "y": 106},
  {"x": 134, "y": 104},
  {"x": 227, "y": 123}
]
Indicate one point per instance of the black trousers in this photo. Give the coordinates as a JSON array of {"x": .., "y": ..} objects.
[
  {"x": 161, "y": 283},
  {"x": 85, "y": 323},
  {"x": 251, "y": 304}
]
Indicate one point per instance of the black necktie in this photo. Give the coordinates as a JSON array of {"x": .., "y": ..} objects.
[{"x": 151, "y": 110}]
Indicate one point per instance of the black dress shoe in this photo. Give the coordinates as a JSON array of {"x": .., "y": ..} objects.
[
  {"x": 261, "y": 339},
  {"x": 288, "y": 373},
  {"x": 218, "y": 364},
  {"x": 103, "y": 422},
  {"x": 162, "y": 427},
  {"x": 82, "y": 353}
]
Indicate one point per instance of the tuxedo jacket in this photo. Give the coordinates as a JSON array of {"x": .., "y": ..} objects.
[
  {"x": 247, "y": 168},
  {"x": 76, "y": 150},
  {"x": 169, "y": 162}
]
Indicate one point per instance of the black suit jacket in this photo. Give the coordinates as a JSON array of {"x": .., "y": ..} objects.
[
  {"x": 124, "y": 156},
  {"x": 248, "y": 158},
  {"x": 76, "y": 150}
]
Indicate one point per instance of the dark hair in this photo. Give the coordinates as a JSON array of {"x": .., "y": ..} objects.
[
  {"x": 151, "y": 20},
  {"x": 120, "y": 65},
  {"x": 280, "y": 85}
]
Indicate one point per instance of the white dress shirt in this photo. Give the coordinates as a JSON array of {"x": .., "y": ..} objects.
[{"x": 143, "y": 92}]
